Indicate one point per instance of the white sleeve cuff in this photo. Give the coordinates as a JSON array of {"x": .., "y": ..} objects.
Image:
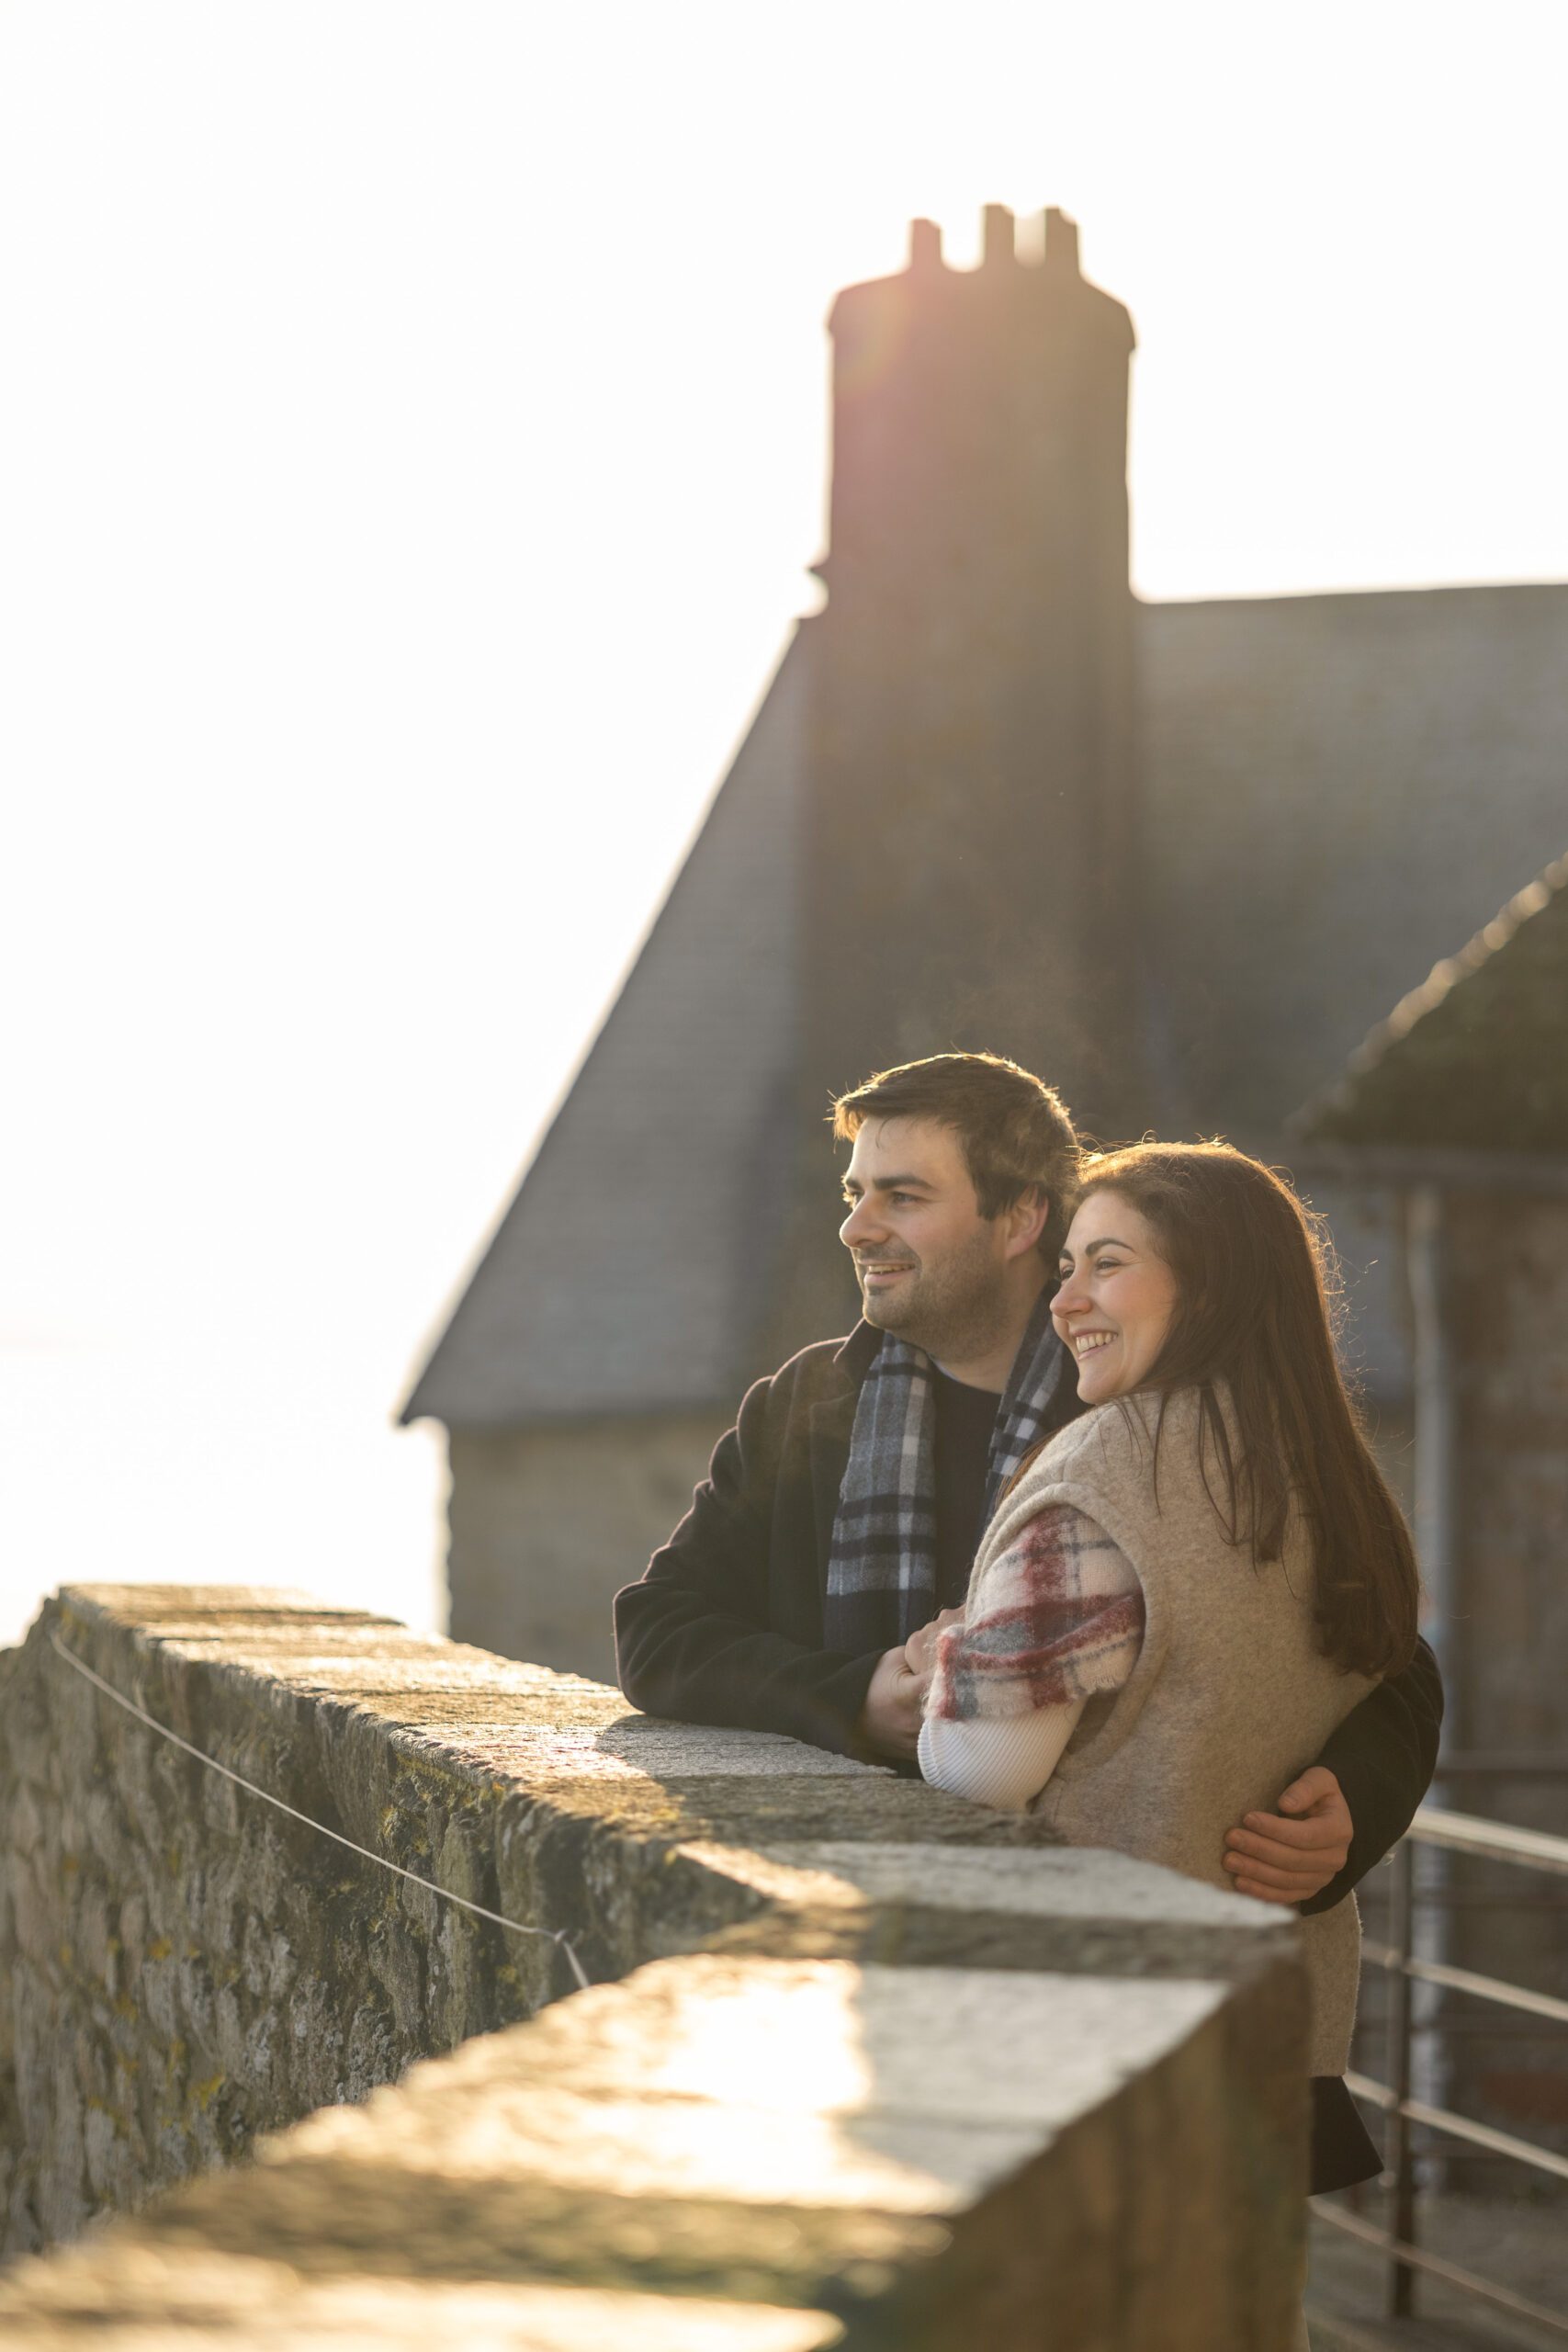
[{"x": 1003, "y": 1761}]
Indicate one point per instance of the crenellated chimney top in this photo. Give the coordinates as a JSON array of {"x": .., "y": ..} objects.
[
  {"x": 1061, "y": 240},
  {"x": 925, "y": 245},
  {"x": 998, "y": 245}
]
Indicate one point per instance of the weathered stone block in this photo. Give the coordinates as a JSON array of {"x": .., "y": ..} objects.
[{"x": 919, "y": 2158}]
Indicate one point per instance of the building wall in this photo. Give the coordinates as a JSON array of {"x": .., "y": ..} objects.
[
  {"x": 1508, "y": 1302},
  {"x": 1508, "y": 1258},
  {"x": 547, "y": 1524}
]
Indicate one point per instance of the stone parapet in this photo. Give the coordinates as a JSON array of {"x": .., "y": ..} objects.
[{"x": 881, "y": 2068}]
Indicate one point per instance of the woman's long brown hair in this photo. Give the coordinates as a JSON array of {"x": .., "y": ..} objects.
[{"x": 1252, "y": 1310}]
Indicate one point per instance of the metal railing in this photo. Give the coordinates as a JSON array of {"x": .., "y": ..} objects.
[{"x": 1459, "y": 1834}]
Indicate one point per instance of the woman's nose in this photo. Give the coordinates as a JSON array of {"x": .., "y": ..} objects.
[{"x": 1069, "y": 1299}]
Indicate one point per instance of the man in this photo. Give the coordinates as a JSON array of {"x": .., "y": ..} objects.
[{"x": 843, "y": 1513}]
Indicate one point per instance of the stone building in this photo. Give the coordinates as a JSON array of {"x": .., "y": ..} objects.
[
  {"x": 1180, "y": 858},
  {"x": 1455, "y": 1108},
  {"x": 1449, "y": 1125}
]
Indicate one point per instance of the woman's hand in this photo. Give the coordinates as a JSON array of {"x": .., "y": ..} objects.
[{"x": 920, "y": 1650}]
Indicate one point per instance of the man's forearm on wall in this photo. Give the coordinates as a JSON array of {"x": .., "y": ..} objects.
[{"x": 682, "y": 1658}]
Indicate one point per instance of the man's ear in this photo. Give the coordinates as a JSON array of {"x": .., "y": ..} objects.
[{"x": 1027, "y": 1218}]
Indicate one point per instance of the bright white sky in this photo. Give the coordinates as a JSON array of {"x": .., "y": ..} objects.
[{"x": 412, "y": 439}]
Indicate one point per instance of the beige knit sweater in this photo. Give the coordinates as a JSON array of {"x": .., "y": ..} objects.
[{"x": 1230, "y": 1698}]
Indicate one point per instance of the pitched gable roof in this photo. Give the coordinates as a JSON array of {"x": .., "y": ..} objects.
[{"x": 1476, "y": 1057}]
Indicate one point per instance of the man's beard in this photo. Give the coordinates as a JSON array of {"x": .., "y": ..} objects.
[{"x": 953, "y": 1309}]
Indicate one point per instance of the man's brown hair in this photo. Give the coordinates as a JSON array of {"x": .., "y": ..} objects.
[{"x": 1016, "y": 1135}]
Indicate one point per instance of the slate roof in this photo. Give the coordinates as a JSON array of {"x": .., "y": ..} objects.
[
  {"x": 1475, "y": 1059},
  {"x": 626, "y": 1276},
  {"x": 1336, "y": 789}
]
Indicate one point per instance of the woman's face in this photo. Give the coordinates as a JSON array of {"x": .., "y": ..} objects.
[{"x": 1116, "y": 1300}]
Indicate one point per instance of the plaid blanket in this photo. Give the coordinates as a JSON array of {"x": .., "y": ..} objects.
[
  {"x": 884, "y": 1543},
  {"x": 1055, "y": 1618}
]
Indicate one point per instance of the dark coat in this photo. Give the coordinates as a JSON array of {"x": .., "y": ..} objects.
[{"x": 725, "y": 1626}]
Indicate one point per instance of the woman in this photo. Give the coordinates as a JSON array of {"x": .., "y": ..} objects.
[{"x": 1187, "y": 1589}]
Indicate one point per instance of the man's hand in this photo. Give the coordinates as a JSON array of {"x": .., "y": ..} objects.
[
  {"x": 890, "y": 1720},
  {"x": 1291, "y": 1860},
  {"x": 920, "y": 1650}
]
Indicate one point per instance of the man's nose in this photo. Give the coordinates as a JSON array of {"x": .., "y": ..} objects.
[{"x": 862, "y": 1224}]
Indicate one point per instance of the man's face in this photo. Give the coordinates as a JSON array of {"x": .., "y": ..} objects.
[{"x": 930, "y": 1266}]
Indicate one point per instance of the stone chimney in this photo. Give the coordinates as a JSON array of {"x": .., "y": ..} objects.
[{"x": 967, "y": 847}]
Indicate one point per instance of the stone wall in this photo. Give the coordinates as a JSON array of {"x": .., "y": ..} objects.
[{"x": 883, "y": 2068}]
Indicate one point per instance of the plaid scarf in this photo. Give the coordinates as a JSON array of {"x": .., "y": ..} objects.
[{"x": 881, "y": 1564}]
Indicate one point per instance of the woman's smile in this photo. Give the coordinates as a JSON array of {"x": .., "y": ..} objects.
[{"x": 1109, "y": 1259}]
